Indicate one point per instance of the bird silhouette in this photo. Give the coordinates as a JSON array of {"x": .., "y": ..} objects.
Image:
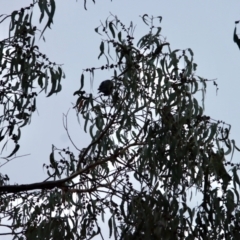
[{"x": 106, "y": 87}]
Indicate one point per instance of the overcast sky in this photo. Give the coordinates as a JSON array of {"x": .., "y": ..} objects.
[{"x": 204, "y": 26}]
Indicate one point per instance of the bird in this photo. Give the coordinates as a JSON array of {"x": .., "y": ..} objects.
[{"x": 106, "y": 87}]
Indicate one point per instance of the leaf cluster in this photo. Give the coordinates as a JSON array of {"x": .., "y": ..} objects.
[{"x": 23, "y": 69}]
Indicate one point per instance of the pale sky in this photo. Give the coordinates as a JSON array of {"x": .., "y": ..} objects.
[{"x": 204, "y": 26}]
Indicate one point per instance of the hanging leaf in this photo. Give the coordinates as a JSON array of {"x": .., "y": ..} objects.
[
  {"x": 17, "y": 146},
  {"x": 236, "y": 38}
]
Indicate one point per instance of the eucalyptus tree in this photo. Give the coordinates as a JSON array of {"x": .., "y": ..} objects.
[{"x": 152, "y": 149}]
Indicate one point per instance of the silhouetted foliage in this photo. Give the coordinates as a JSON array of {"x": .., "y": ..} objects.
[
  {"x": 23, "y": 67},
  {"x": 152, "y": 148}
]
